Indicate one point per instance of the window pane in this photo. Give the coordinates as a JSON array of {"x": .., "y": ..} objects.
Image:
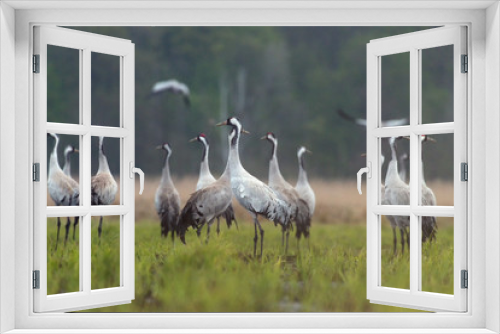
[
  {"x": 437, "y": 252},
  {"x": 395, "y": 174},
  {"x": 437, "y": 84},
  {"x": 105, "y": 89},
  {"x": 63, "y": 255},
  {"x": 63, "y": 85},
  {"x": 395, "y": 97},
  {"x": 437, "y": 166},
  {"x": 63, "y": 168},
  {"x": 105, "y": 252},
  {"x": 106, "y": 171},
  {"x": 395, "y": 232}
]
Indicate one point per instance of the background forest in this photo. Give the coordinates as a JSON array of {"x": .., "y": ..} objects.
[{"x": 286, "y": 80}]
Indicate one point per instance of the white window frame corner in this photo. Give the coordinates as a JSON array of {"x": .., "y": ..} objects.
[{"x": 483, "y": 19}]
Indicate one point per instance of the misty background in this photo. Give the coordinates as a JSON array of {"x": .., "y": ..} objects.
[{"x": 286, "y": 80}]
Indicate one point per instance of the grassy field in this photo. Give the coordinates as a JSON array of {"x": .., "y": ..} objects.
[{"x": 223, "y": 276}]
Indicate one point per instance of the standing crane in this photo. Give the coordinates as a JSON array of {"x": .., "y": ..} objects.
[
  {"x": 68, "y": 151},
  {"x": 208, "y": 202},
  {"x": 172, "y": 86},
  {"x": 62, "y": 189},
  {"x": 253, "y": 194},
  {"x": 288, "y": 194},
  {"x": 167, "y": 199},
  {"x": 103, "y": 184},
  {"x": 397, "y": 192},
  {"x": 303, "y": 187},
  {"x": 205, "y": 178}
]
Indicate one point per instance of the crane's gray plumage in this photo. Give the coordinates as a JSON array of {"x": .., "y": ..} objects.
[
  {"x": 299, "y": 210},
  {"x": 167, "y": 199},
  {"x": 62, "y": 189},
  {"x": 172, "y": 86},
  {"x": 208, "y": 202},
  {"x": 253, "y": 194},
  {"x": 103, "y": 184},
  {"x": 206, "y": 178}
]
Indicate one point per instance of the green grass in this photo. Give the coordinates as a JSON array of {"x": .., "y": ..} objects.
[{"x": 223, "y": 276}]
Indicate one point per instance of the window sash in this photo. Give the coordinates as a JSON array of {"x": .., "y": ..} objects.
[
  {"x": 86, "y": 43},
  {"x": 414, "y": 43}
]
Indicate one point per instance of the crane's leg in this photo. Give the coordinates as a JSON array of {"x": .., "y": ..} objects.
[
  {"x": 218, "y": 226},
  {"x": 75, "y": 224},
  {"x": 208, "y": 231},
  {"x": 198, "y": 230},
  {"x": 99, "y": 229},
  {"x": 282, "y": 237},
  {"x": 68, "y": 225},
  {"x": 261, "y": 238},
  {"x": 395, "y": 240},
  {"x": 401, "y": 230},
  {"x": 58, "y": 228},
  {"x": 255, "y": 238},
  {"x": 408, "y": 238},
  {"x": 286, "y": 244}
]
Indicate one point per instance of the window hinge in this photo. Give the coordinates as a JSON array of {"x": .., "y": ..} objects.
[
  {"x": 464, "y": 171},
  {"x": 464, "y": 279},
  {"x": 36, "y": 172},
  {"x": 36, "y": 279},
  {"x": 36, "y": 63},
  {"x": 465, "y": 64}
]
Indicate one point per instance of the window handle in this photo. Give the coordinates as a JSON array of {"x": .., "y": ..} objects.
[
  {"x": 135, "y": 170},
  {"x": 368, "y": 171}
]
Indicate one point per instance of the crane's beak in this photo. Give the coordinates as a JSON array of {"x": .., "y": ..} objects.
[
  {"x": 221, "y": 123},
  {"x": 429, "y": 138},
  {"x": 193, "y": 139},
  {"x": 159, "y": 147},
  {"x": 76, "y": 150},
  {"x": 245, "y": 131},
  {"x": 263, "y": 137},
  {"x": 363, "y": 155},
  {"x": 310, "y": 152}
]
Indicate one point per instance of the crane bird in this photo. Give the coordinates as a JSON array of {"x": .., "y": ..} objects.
[
  {"x": 62, "y": 189},
  {"x": 254, "y": 195},
  {"x": 397, "y": 192},
  {"x": 103, "y": 184},
  {"x": 362, "y": 121},
  {"x": 210, "y": 201},
  {"x": 205, "y": 178},
  {"x": 172, "y": 86},
  {"x": 167, "y": 199},
  {"x": 303, "y": 187},
  {"x": 288, "y": 194},
  {"x": 429, "y": 224},
  {"x": 68, "y": 151}
]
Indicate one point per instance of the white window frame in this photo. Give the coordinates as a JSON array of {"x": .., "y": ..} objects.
[
  {"x": 413, "y": 44},
  {"x": 483, "y": 21},
  {"x": 85, "y": 44}
]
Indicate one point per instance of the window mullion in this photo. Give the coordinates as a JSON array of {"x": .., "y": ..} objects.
[{"x": 415, "y": 267}]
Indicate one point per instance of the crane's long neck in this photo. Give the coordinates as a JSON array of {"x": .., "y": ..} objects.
[
  {"x": 103, "y": 161},
  {"x": 392, "y": 175},
  {"x": 422, "y": 177},
  {"x": 54, "y": 163},
  {"x": 165, "y": 174},
  {"x": 67, "y": 163},
  {"x": 274, "y": 168},
  {"x": 302, "y": 171},
  {"x": 204, "y": 167},
  {"x": 233, "y": 159}
]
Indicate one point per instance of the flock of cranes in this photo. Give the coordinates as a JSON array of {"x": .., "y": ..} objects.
[
  {"x": 278, "y": 201},
  {"x": 396, "y": 191},
  {"x": 64, "y": 190}
]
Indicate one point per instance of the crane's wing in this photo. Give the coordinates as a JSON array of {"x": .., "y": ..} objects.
[
  {"x": 395, "y": 122},
  {"x": 344, "y": 115}
]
